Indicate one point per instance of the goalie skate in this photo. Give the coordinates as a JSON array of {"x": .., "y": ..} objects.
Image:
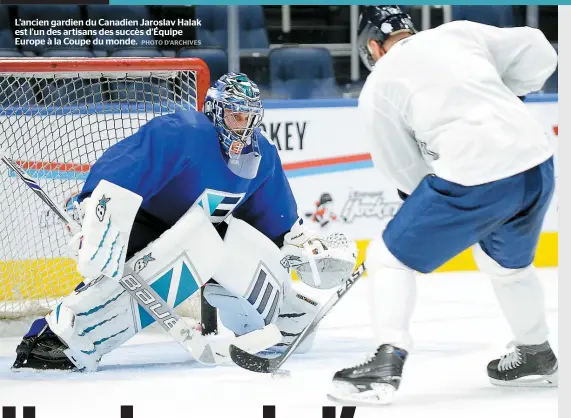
[{"x": 41, "y": 349}]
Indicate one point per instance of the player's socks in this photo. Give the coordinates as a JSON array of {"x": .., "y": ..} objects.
[
  {"x": 372, "y": 382},
  {"x": 527, "y": 365},
  {"x": 42, "y": 349}
]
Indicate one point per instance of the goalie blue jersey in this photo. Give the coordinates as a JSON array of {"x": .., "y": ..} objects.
[{"x": 175, "y": 161}]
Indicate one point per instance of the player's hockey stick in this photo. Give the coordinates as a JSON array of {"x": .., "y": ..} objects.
[
  {"x": 203, "y": 350},
  {"x": 259, "y": 364}
]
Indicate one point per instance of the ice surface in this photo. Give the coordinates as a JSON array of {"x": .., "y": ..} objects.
[{"x": 458, "y": 328}]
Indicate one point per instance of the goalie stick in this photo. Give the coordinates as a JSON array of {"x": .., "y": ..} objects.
[
  {"x": 259, "y": 364},
  {"x": 203, "y": 350}
]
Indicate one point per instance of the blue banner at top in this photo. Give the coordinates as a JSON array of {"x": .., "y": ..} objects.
[{"x": 324, "y": 2}]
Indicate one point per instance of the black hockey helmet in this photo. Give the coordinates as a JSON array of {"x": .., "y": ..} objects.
[{"x": 378, "y": 23}]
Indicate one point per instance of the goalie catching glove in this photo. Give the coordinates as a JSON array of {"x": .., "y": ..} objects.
[
  {"x": 320, "y": 262},
  {"x": 107, "y": 217}
]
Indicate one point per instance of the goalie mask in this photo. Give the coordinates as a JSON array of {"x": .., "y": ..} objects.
[
  {"x": 378, "y": 23},
  {"x": 235, "y": 108}
]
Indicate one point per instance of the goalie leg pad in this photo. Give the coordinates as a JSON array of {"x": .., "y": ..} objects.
[
  {"x": 251, "y": 280},
  {"x": 101, "y": 316},
  {"x": 251, "y": 269},
  {"x": 254, "y": 288},
  {"x": 93, "y": 321}
]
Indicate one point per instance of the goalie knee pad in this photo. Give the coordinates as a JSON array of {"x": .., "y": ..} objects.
[{"x": 100, "y": 316}]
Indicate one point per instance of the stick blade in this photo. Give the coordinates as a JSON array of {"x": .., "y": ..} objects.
[{"x": 249, "y": 361}]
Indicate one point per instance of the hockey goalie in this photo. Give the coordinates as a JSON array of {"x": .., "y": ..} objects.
[{"x": 192, "y": 199}]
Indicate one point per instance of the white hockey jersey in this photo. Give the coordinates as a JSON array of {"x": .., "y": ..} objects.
[{"x": 444, "y": 101}]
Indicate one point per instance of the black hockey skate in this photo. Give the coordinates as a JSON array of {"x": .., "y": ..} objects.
[
  {"x": 527, "y": 365},
  {"x": 41, "y": 349},
  {"x": 373, "y": 382}
]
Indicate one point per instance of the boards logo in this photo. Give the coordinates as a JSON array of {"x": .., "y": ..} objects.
[
  {"x": 358, "y": 205},
  {"x": 323, "y": 213},
  {"x": 368, "y": 205},
  {"x": 286, "y": 136}
]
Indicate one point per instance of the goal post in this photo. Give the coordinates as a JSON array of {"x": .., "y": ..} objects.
[{"x": 57, "y": 117}]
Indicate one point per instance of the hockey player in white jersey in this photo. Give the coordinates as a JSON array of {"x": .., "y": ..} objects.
[
  {"x": 444, "y": 123},
  {"x": 191, "y": 199}
]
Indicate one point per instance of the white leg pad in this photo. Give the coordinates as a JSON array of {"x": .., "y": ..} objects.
[
  {"x": 101, "y": 316},
  {"x": 520, "y": 296},
  {"x": 254, "y": 286},
  {"x": 251, "y": 269},
  {"x": 392, "y": 296},
  {"x": 93, "y": 321}
]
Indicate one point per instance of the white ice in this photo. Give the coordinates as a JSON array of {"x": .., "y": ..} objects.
[{"x": 458, "y": 328}]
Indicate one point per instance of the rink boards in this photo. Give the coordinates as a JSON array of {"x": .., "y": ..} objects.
[{"x": 330, "y": 172}]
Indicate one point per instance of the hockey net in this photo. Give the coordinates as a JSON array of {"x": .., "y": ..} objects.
[{"x": 57, "y": 116}]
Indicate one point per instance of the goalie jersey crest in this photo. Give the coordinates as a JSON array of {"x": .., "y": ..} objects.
[{"x": 218, "y": 205}]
